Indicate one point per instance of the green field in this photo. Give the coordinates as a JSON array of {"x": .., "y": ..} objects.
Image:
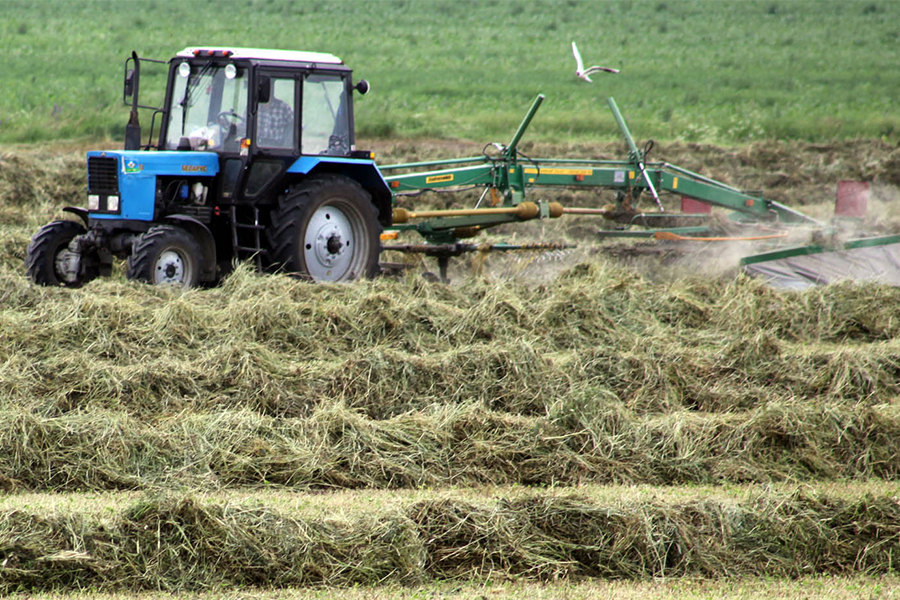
[
  {"x": 691, "y": 70},
  {"x": 583, "y": 424}
]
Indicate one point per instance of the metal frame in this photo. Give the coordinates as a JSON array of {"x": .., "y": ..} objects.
[{"x": 510, "y": 175}]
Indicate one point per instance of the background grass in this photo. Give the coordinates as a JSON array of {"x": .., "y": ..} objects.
[{"x": 691, "y": 69}]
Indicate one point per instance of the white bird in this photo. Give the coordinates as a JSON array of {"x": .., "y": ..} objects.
[{"x": 585, "y": 73}]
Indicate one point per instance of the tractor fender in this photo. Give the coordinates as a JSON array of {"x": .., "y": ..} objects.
[
  {"x": 365, "y": 172},
  {"x": 82, "y": 213},
  {"x": 204, "y": 238}
]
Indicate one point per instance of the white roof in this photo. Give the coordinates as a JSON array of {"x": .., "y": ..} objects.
[{"x": 289, "y": 55}]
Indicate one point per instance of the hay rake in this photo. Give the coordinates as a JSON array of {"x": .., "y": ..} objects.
[{"x": 508, "y": 178}]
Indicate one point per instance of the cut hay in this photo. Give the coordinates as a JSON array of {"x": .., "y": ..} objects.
[
  {"x": 453, "y": 445},
  {"x": 592, "y": 375},
  {"x": 179, "y": 544},
  {"x": 281, "y": 347},
  {"x": 601, "y": 376}
]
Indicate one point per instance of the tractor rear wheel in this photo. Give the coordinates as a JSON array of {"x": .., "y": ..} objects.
[
  {"x": 47, "y": 259},
  {"x": 326, "y": 229},
  {"x": 165, "y": 255}
]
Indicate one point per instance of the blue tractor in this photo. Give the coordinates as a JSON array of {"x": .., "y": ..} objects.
[{"x": 255, "y": 158}]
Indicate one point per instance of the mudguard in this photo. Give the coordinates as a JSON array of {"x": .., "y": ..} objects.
[
  {"x": 82, "y": 213},
  {"x": 366, "y": 172}
]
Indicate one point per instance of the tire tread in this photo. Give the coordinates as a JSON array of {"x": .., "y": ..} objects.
[
  {"x": 143, "y": 252},
  {"x": 39, "y": 264},
  {"x": 286, "y": 220}
]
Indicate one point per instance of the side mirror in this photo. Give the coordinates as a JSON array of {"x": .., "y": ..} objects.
[
  {"x": 129, "y": 83},
  {"x": 362, "y": 86},
  {"x": 264, "y": 92}
]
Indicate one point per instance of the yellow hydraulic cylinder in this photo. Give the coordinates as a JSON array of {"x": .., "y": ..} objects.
[{"x": 523, "y": 210}]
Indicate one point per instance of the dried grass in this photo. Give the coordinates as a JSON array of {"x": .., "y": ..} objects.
[
  {"x": 448, "y": 445},
  {"x": 594, "y": 375},
  {"x": 600, "y": 376},
  {"x": 177, "y": 543}
]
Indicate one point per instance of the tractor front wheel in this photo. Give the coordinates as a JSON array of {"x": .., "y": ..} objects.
[
  {"x": 326, "y": 229},
  {"x": 165, "y": 255},
  {"x": 48, "y": 260}
]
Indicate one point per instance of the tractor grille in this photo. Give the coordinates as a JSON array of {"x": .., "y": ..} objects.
[{"x": 103, "y": 175}]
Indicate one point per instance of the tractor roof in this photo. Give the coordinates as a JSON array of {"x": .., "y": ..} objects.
[{"x": 261, "y": 54}]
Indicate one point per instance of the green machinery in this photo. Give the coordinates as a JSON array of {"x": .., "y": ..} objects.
[{"x": 507, "y": 176}]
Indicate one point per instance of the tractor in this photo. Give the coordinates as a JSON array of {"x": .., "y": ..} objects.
[{"x": 254, "y": 159}]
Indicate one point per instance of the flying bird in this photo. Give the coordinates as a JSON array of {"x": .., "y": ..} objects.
[{"x": 585, "y": 73}]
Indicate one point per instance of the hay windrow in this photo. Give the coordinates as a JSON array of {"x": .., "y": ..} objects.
[
  {"x": 509, "y": 377},
  {"x": 281, "y": 347},
  {"x": 180, "y": 544},
  {"x": 27, "y": 178},
  {"x": 593, "y": 377},
  {"x": 336, "y": 447}
]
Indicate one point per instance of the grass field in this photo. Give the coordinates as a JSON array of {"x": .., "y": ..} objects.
[
  {"x": 691, "y": 70},
  {"x": 564, "y": 426}
]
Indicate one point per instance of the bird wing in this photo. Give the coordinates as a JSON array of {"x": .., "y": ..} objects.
[
  {"x": 578, "y": 61},
  {"x": 595, "y": 68}
]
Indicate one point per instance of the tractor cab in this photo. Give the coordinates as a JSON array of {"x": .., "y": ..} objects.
[
  {"x": 219, "y": 99},
  {"x": 258, "y": 110}
]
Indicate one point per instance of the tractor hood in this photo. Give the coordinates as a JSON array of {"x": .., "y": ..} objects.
[
  {"x": 122, "y": 183},
  {"x": 135, "y": 163}
]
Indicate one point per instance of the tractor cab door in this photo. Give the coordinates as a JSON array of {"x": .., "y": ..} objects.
[
  {"x": 297, "y": 113},
  {"x": 275, "y": 132}
]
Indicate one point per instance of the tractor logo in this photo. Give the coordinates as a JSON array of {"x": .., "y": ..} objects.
[
  {"x": 133, "y": 167},
  {"x": 194, "y": 168}
]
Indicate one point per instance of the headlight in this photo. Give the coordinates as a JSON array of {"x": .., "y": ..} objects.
[
  {"x": 112, "y": 204},
  {"x": 93, "y": 202}
]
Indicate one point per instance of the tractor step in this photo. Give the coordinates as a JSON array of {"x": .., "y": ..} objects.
[{"x": 248, "y": 245}]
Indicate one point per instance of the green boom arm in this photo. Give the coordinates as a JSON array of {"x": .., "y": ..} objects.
[{"x": 508, "y": 178}]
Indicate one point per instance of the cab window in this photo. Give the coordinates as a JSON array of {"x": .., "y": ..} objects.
[
  {"x": 275, "y": 121},
  {"x": 208, "y": 107},
  {"x": 326, "y": 122}
]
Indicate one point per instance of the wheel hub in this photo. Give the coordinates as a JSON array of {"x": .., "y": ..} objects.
[
  {"x": 67, "y": 265},
  {"x": 334, "y": 244},
  {"x": 169, "y": 268},
  {"x": 329, "y": 244}
]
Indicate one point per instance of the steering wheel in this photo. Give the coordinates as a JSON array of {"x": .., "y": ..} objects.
[{"x": 223, "y": 119}]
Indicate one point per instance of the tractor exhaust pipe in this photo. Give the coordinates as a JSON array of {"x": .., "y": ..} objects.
[{"x": 132, "y": 86}]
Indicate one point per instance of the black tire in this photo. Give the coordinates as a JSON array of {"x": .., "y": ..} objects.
[
  {"x": 165, "y": 255},
  {"x": 46, "y": 248},
  {"x": 326, "y": 229}
]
